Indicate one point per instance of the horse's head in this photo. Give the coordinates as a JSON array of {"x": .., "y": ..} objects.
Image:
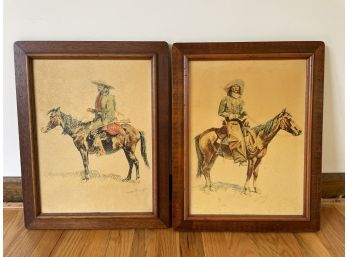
[
  {"x": 287, "y": 123},
  {"x": 55, "y": 120}
]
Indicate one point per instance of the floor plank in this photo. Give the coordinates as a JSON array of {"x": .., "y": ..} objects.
[
  {"x": 168, "y": 242},
  {"x": 240, "y": 245},
  {"x": 72, "y": 243},
  {"x": 13, "y": 229},
  {"x": 329, "y": 241},
  {"x": 340, "y": 208},
  {"x": 47, "y": 243},
  {"x": 120, "y": 243},
  {"x": 24, "y": 243},
  {"x": 97, "y": 244},
  {"x": 311, "y": 245},
  {"x": 335, "y": 219},
  {"x": 138, "y": 244},
  {"x": 331, "y": 237},
  {"x": 215, "y": 244},
  {"x": 276, "y": 244},
  {"x": 12, "y": 217},
  {"x": 191, "y": 244}
]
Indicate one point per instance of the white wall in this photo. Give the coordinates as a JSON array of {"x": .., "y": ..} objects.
[{"x": 180, "y": 20}]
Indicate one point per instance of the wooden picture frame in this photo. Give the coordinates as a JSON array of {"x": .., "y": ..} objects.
[
  {"x": 26, "y": 52},
  {"x": 183, "y": 55}
]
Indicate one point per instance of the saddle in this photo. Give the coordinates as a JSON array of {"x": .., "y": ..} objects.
[
  {"x": 235, "y": 146},
  {"x": 114, "y": 129},
  {"x": 221, "y": 132}
]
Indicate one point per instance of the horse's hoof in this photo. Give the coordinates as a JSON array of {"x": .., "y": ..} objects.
[
  {"x": 257, "y": 190},
  {"x": 126, "y": 179},
  {"x": 212, "y": 189}
]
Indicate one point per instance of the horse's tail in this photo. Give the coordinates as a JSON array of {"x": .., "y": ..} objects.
[
  {"x": 199, "y": 156},
  {"x": 143, "y": 148}
]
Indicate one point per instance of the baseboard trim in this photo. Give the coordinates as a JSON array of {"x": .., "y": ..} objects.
[
  {"x": 332, "y": 186},
  {"x": 12, "y": 187}
]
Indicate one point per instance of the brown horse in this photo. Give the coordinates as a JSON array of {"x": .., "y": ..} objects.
[
  {"x": 85, "y": 141},
  {"x": 209, "y": 148}
]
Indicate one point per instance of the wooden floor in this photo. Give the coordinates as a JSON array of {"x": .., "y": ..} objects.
[{"x": 329, "y": 241}]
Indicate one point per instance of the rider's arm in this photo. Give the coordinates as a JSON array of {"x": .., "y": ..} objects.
[{"x": 222, "y": 109}]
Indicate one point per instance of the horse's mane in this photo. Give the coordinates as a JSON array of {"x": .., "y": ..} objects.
[
  {"x": 266, "y": 127},
  {"x": 71, "y": 123}
]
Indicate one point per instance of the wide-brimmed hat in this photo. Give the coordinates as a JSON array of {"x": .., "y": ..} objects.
[
  {"x": 238, "y": 82},
  {"x": 103, "y": 84}
]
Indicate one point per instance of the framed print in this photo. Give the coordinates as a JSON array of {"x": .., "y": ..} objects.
[
  {"x": 94, "y": 127},
  {"x": 247, "y": 135}
]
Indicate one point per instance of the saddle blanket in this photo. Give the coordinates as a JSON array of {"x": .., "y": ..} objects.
[{"x": 113, "y": 129}]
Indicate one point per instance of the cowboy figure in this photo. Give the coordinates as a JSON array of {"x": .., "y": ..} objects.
[
  {"x": 105, "y": 104},
  {"x": 105, "y": 115},
  {"x": 231, "y": 108}
]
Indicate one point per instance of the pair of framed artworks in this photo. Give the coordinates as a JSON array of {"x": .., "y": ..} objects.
[{"x": 104, "y": 126}]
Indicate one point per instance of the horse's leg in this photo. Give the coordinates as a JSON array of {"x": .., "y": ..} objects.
[
  {"x": 255, "y": 175},
  {"x": 135, "y": 161},
  {"x": 249, "y": 173},
  {"x": 84, "y": 155},
  {"x": 130, "y": 163},
  {"x": 209, "y": 159}
]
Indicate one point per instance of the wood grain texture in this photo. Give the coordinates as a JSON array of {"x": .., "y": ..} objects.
[
  {"x": 191, "y": 244},
  {"x": 313, "y": 52},
  {"x": 311, "y": 245},
  {"x": 19, "y": 241},
  {"x": 331, "y": 237},
  {"x": 120, "y": 243},
  {"x": 12, "y": 189},
  {"x": 72, "y": 243},
  {"x": 13, "y": 226},
  {"x": 47, "y": 243},
  {"x": 138, "y": 244},
  {"x": 334, "y": 219},
  {"x": 215, "y": 244},
  {"x": 340, "y": 208},
  {"x": 276, "y": 244},
  {"x": 332, "y": 185},
  {"x": 158, "y": 52},
  {"x": 241, "y": 245}
]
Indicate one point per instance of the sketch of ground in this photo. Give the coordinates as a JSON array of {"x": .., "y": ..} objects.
[
  {"x": 281, "y": 186},
  {"x": 65, "y": 191}
]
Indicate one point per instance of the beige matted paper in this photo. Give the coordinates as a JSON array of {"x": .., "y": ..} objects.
[
  {"x": 267, "y": 88},
  {"x": 74, "y": 86}
]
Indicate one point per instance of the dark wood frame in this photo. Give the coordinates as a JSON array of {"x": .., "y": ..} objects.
[
  {"x": 313, "y": 52},
  {"x": 158, "y": 52}
]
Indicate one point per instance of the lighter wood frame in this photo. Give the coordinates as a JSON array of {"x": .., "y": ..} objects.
[
  {"x": 313, "y": 52},
  {"x": 158, "y": 53}
]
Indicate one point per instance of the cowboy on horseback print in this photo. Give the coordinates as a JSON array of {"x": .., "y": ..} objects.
[
  {"x": 235, "y": 140},
  {"x": 104, "y": 134}
]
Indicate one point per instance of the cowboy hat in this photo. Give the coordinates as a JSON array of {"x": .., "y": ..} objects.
[
  {"x": 103, "y": 84},
  {"x": 238, "y": 82}
]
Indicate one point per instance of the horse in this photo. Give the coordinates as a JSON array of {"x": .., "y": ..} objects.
[
  {"x": 84, "y": 141},
  {"x": 208, "y": 147}
]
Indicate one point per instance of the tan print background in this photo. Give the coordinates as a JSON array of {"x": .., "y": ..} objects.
[
  {"x": 270, "y": 86},
  {"x": 67, "y": 83}
]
